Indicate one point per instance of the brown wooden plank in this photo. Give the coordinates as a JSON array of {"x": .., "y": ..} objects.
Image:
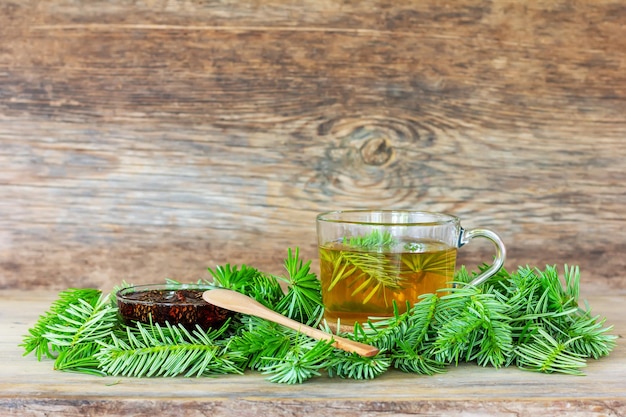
[{"x": 150, "y": 139}]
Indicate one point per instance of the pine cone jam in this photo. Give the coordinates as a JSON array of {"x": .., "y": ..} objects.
[{"x": 171, "y": 303}]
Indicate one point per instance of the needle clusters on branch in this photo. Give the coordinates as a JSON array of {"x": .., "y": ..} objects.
[{"x": 530, "y": 319}]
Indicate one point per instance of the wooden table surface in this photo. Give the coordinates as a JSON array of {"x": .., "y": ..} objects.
[
  {"x": 145, "y": 139},
  {"x": 31, "y": 388}
]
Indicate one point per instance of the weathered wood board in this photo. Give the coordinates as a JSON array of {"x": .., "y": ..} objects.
[
  {"x": 148, "y": 139},
  {"x": 30, "y": 388}
]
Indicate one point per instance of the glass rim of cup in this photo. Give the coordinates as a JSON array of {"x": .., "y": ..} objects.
[{"x": 390, "y": 217}]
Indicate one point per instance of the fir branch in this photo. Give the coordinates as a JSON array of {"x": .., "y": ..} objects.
[
  {"x": 374, "y": 240},
  {"x": 421, "y": 319},
  {"x": 249, "y": 281},
  {"x": 147, "y": 351},
  {"x": 437, "y": 262},
  {"x": 496, "y": 344},
  {"x": 351, "y": 365},
  {"x": 35, "y": 340},
  {"x": 385, "y": 333},
  {"x": 590, "y": 337},
  {"x": 557, "y": 295},
  {"x": 301, "y": 362},
  {"x": 407, "y": 359},
  {"x": 365, "y": 255},
  {"x": 80, "y": 358},
  {"x": 115, "y": 290},
  {"x": 411, "y": 327},
  {"x": 303, "y": 301},
  {"x": 259, "y": 339},
  {"x": 406, "y": 337},
  {"x": 542, "y": 302},
  {"x": 374, "y": 269},
  {"x": 472, "y": 326},
  {"x": 545, "y": 354},
  {"x": 456, "y": 339},
  {"x": 530, "y": 318},
  {"x": 82, "y": 322},
  {"x": 521, "y": 293}
]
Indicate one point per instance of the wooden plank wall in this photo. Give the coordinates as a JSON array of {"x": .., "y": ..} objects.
[{"x": 150, "y": 139}]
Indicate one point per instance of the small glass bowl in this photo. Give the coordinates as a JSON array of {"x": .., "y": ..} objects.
[{"x": 172, "y": 303}]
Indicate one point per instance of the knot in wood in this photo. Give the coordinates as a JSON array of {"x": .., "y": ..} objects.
[{"x": 376, "y": 151}]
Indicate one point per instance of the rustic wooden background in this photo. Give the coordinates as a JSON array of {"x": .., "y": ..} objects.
[{"x": 150, "y": 139}]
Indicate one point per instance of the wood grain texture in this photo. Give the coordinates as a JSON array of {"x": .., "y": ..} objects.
[
  {"x": 150, "y": 139},
  {"x": 29, "y": 388}
]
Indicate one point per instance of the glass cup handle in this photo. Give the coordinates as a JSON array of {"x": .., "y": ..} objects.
[{"x": 467, "y": 235}]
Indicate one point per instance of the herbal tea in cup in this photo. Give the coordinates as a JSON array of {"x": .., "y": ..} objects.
[{"x": 369, "y": 259}]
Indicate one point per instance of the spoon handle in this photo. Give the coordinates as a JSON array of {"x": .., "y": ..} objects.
[{"x": 235, "y": 301}]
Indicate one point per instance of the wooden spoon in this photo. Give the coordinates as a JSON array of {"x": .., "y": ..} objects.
[{"x": 235, "y": 301}]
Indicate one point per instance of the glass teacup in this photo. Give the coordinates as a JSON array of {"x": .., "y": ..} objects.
[{"x": 369, "y": 259}]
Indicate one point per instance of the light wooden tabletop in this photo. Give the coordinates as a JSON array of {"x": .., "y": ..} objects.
[{"x": 31, "y": 388}]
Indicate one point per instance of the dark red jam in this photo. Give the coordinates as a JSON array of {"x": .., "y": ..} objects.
[{"x": 161, "y": 304}]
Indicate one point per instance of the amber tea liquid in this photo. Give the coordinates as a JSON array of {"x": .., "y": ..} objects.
[{"x": 357, "y": 283}]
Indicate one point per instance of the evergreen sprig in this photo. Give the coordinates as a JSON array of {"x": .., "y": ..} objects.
[
  {"x": 408, "y": 359},
  {"x": 36, "y": 340},
  {"x": 250, "y": 281},
  {"x": 303, "y": 359},
  {"x": 353, "y": 366},
  {"x": 303, "y": 301},
  {"x": 80, "y": 358},
  {"x": 546, "y": 354},
  {"x": 472, "y": 325},
  {"x": 82, "y": 322},
  {"x": 376, "y": 271},
  {"x": 375, "y": 239},
  {"x": 531, "y": 318},
  {"x": 166, "y": 351},
  {"x": 258, "y": 339}
]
